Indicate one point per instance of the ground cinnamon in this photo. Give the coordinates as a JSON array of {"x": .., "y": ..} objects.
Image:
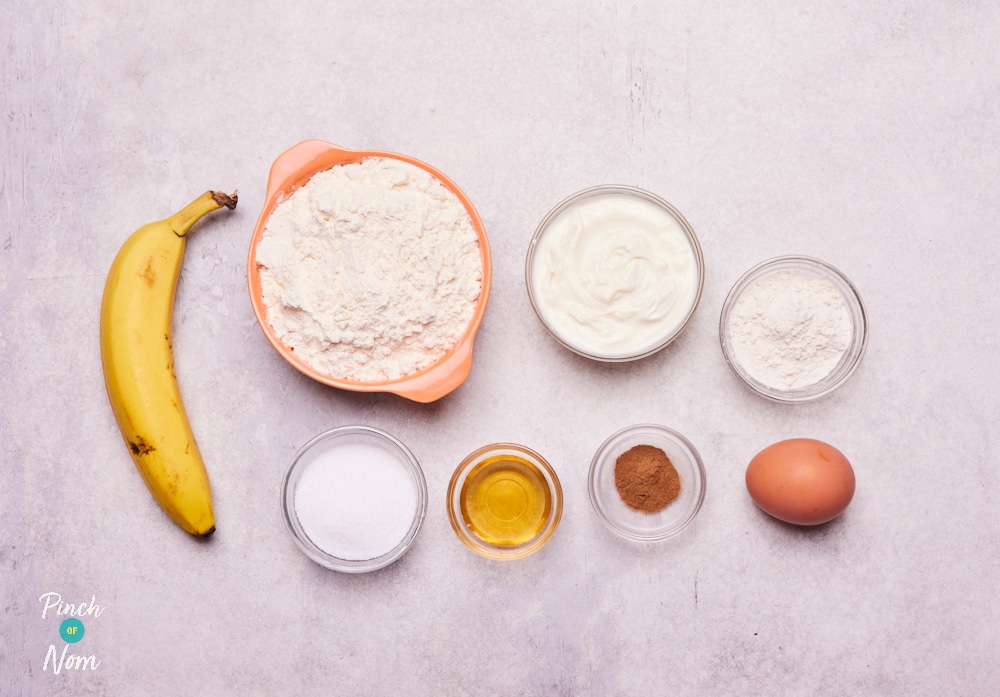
[{"x": 646, "y": 478}]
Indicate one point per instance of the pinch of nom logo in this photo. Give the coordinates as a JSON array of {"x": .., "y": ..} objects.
[{"x": 71, "y": 631}]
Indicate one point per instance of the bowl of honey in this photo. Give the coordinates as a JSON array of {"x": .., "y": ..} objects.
[{"x": 504, "y": 501}]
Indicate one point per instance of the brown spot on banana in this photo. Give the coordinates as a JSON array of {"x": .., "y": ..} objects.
[
  {"x": 139, "y": 446},
  {"x": 149, "y": 272}
]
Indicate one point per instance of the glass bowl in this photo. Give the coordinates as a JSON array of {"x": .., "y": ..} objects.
[
  {"x": 290, "y": 171},
  {"x": 849, "y": 361},
  {"x": 504, "y": 501},
  {"x": 644, "y": 200},
  {"x": 337, "y": 473},
  {"x": 637, "y": 525}
]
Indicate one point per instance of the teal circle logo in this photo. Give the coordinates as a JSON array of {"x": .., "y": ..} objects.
[{"x": 71, "y": 630}]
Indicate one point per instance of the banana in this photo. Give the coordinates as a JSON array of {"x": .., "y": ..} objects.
[{"x": 136, "y": 327}]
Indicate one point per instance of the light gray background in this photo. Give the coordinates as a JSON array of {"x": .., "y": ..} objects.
[{"x": 862, "y": 133}]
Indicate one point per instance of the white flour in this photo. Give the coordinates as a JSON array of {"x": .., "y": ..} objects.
[
  {"x": 789, "y": 330},
  {"x": 370, "y": 271}
]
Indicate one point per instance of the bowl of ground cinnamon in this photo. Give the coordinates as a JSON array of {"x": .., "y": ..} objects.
[{"x": 647, "y": 482}]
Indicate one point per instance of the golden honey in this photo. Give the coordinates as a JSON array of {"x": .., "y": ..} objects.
[{"x": 505, "y": 500}]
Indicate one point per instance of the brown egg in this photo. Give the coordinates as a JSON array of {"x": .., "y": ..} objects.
[{"x": 801, "y": 481}]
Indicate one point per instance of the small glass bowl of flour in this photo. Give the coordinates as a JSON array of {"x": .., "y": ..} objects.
[
  {"x": 353, "y": 499},
  {"x": 793, "y": 328}
]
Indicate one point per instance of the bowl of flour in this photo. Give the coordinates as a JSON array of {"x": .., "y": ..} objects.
[
  {"x": 369, "y": 271},
  {"x": 793, "y": 328}
]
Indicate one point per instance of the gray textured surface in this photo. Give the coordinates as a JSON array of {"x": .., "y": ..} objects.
[{"x": 861, "y": 133}]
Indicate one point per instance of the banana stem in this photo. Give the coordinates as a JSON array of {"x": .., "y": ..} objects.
[{"x": 184, "y": 219}]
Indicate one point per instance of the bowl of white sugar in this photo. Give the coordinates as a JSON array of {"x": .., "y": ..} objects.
[
  {"x": 793, "y": 328},
  {"x": 354, "y": 498},
  {"x": 369, "y": 271}
]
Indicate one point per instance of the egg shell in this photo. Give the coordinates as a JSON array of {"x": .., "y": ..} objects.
[{"x": 801, "y": 481}]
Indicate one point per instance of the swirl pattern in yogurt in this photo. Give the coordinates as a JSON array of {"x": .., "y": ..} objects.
[{"x": 614, "y": 273}]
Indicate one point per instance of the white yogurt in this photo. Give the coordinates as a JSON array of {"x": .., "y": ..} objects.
[{"x": 614, "y": 275}]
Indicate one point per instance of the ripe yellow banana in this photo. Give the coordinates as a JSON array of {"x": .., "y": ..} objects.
[{"x": 136, "y": 327}]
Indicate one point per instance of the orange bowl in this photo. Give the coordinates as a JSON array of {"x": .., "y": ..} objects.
[{"x": 291, "y": 170}]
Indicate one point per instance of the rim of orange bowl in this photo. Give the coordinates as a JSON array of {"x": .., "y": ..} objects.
[{"x": 292, "y": 169}]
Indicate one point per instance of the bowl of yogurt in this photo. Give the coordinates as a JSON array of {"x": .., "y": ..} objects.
[{"x": 614, "y": 273}]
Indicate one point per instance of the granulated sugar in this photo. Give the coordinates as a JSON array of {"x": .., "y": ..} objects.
[
  {"x": 371, "y": 271},
  {"x": 356, "y": 501}
]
